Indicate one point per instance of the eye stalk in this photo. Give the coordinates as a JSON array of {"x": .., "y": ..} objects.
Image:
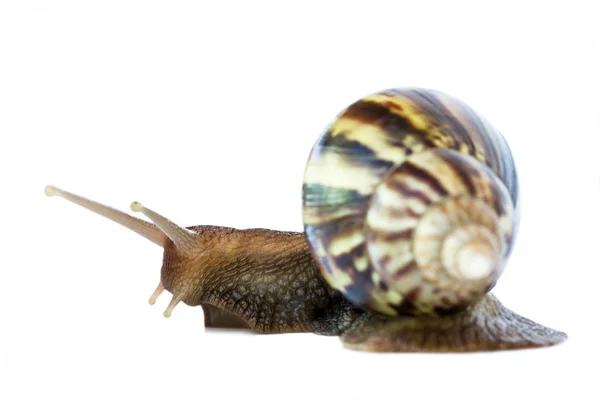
[
  {"x": 139, "y": 226},
  {"x": 184, "y": 239}
]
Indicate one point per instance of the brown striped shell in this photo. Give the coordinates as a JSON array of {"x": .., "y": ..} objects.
[{"x": 409, "y": 203}]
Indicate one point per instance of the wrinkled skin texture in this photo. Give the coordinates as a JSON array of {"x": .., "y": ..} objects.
[{"x": 268, "y": 281}]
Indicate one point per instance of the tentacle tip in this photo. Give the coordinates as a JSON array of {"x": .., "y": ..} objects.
[
  {"x": 50, "y": 190},
  {"x": 174, "y": 301},
  {"x": 157, "y": 292},
  {"x": 136, "y": 206}
]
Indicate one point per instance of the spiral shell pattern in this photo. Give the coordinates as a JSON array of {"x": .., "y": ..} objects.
[{"x": 408, "y": 198}]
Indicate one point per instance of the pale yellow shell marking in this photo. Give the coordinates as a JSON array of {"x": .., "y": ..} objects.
[
  {"x": 437, "y": 166},
  {"x": 341, "y": 277},
  {"x": 333, "y": 170},
  {"x": 390, "y": 196},
  {"x": 383, "y": 222},
  {"x": 412, "y": 143},
  {"x": 369, "y": 135},
  {"x": 312, "y": 216},
  {"x": 407, "y": 109},
  {"x": 344, "y": 243},
  {"x": 401, "y": 248},
  {"x": 381, "y": 300},
  {"x": 410, "y": 281},
  {"x": 361, "y": 263}
]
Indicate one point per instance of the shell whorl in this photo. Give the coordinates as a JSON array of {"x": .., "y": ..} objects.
[{"x": 410, "y": 203}]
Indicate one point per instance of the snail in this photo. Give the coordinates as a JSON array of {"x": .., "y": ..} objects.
[{"x": 410, "y": 209}]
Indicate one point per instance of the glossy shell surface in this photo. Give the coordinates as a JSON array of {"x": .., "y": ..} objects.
[{"x": 378, "y": 141}]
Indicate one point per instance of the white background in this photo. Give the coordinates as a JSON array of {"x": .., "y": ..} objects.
[{"x": 206, "y": 112}]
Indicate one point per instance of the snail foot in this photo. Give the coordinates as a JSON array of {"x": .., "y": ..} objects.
[{"x": 485, "y": 326}]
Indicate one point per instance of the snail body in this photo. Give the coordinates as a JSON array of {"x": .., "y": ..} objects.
[{"x": 410, "y": 208}]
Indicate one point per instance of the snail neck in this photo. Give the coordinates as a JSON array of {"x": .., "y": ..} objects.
[{"x": 266, "y": 278}]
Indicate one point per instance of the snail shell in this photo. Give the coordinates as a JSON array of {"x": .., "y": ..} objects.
[{"x": 410, "y": 203}]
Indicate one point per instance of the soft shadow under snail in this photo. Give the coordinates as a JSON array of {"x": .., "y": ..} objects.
[{"x": 410, "y": 213}]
